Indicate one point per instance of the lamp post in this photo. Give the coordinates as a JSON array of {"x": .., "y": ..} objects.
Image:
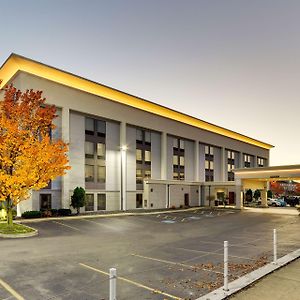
[{"x": 123, "y": 182}]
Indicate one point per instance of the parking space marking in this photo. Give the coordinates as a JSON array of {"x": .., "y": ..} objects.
[
  {"x": 11, "y": 290},
  {"x": 74, "y": 228},
  {"x": 213, "y": 253},
  {"x": 155, "y": 291},
  {"x": 174, "y": 263}
]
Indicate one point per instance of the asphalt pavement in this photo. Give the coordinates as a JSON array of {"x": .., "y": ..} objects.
[{"x": 163, "y": 256}]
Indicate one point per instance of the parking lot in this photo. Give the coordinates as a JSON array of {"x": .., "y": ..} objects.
[{"x": 164, "y": 256}]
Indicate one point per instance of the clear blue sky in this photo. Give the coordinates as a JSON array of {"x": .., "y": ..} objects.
[{"x": 232, "y": 63}]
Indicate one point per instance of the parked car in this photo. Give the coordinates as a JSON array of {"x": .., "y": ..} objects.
[
  {"x": 273, "y": 202},
  {"x": 281, "y": 201}
]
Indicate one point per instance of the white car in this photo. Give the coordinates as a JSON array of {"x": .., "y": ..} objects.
[{"x": 273, "y": 202}]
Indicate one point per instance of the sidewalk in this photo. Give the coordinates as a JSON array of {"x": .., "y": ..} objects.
[{"x": 279, "y": 285}]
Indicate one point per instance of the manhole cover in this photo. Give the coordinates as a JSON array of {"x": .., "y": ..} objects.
[
  {"x": 194, "y": 218},
  {"x": 168, "y": 221}
]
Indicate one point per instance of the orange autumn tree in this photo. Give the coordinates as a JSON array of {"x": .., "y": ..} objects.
[{"x": 29, "y": 158}]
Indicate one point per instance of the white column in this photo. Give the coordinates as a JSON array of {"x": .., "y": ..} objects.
[
  {"x": 123, "y": 172},
  {"x": 223, "y": 164},
  {"x": 65, "y": 188},
  {"x": 238, "y": 194},
  {"x": 264, "y": 195},
  {"x": 197, "y": 162},
  {"x": 163, "y": 163}
]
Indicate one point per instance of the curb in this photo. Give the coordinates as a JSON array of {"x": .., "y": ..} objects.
[
  {"x": 241, "y": 283},
  {"x": 114, "y": 215},
  {"x": 35, "y": 232}
]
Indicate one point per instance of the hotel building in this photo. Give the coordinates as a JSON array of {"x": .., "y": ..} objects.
[{"x": 130, "y": 153}]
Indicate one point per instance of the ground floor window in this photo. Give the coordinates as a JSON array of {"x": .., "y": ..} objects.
[
  {"x": 89, "y": 202},
  {"x": 45, "y": 201},
  {"x": 101, "y": 202},
  {"x": 139, "y": 200}
]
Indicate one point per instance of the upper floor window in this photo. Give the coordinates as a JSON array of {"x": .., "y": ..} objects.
[
  {"x": 209, "y": 163},
  {"x": 260, "y": 162},
  {"x": 230, "y": 164},
  {"x": 95, "y": 152},
  {"x": 143, "y": 155},
  {"x": 247, "y": 160},
  {"x": 178, "y": 159}
]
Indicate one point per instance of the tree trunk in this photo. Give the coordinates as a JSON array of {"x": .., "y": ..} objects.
[
  {"x": 9, "y": 212},
  {"x": 78, "y": 210}
]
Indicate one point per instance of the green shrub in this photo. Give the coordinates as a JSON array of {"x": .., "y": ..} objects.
[
  {"x": 31, "y": 214},
  {"x": 78, "y": 199},
  {"x": 64, "y": 212}
]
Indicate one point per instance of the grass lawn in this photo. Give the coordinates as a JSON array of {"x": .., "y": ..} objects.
[{"x": 16, "y": 229}]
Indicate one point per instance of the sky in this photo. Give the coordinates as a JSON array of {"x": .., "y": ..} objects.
[{"x": 234, "y": 63}]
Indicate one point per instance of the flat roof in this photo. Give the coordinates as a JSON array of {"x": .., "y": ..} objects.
[
  {"x": 284, "y": 168},
  {"x": 16, "y": 63}
]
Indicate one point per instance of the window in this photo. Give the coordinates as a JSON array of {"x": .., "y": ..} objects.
[
  {"x": 89, "y": 150},
  {"x": 260, "y": 162},
  {"x": 181, "y": 144},
  {"x": 147, "y": 137},
  {"x": 178, "y": 159},
  {"x": 89, "y": 126},
  {"x": 175, "y": 159},
  {"x": 139, "y": 201},
  {"x": 101, "y": 176},
  {"x": 143, "y": 156},
  {"x": 139, "y": 176},
  {"x": 139, "y": 135},
  {"x": 247, "y": 161},
  {"x": 89, "y": 204},
  {"x": 45, "y": 201},
  {"x": 181, "y": 161},
  {"x": 101, "y": 202},
  {"x": 100, "y": 150},
  {"x": 147, "y": 173},
  {"x": 230, "y": 164},
  {"x": 95, "y": 152},
  {"x": 89, "y": 173},
  {"x": 101, "y": 128},
  {"x": 139, "y": 156},
  {"x": 209, "y": 163},
  {"x": 147, "y": 156}
]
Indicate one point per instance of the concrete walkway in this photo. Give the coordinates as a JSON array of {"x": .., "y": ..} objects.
[
  {"x": 292, "y": 211},
  {"x": 279, "y": 285}
]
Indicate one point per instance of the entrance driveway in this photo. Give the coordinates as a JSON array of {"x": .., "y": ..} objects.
[{"x": 165, "y": 256}]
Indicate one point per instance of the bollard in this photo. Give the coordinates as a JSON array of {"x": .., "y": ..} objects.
[
  {"x": 112, "y": 284},
  {"x": 225, "y": 265},
  {"x": 274, "y": 246}
]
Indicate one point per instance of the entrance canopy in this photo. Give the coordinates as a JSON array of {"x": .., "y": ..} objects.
[{"x": 259, "y": 178}]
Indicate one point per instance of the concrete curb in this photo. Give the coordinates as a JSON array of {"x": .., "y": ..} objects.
[
  {"x": 21, "y": 235},
  {"x": 109, "y": 215},
  {"x": 250, "y": 278}
]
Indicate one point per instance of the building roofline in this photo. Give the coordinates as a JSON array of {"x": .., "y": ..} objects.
[
  {"x": 15, "y": 63},
  {"x": 267, "y": 169}
]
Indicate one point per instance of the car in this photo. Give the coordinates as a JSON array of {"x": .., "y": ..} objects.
[
  {"x": 273, "y": 202},
  {"x": 281, "y": 201}
]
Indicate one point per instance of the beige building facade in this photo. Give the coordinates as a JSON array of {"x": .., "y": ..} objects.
[{"x": 129, "y": 153}]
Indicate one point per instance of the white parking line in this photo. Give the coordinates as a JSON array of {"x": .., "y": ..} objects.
[
  {"x": 213, "y": 253},
  {"x": 62, "y": 224},
  {"x": 175, "y": 263},
  {"x": 11, "y": 290},
  {"x": 155, "y": 291}
]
